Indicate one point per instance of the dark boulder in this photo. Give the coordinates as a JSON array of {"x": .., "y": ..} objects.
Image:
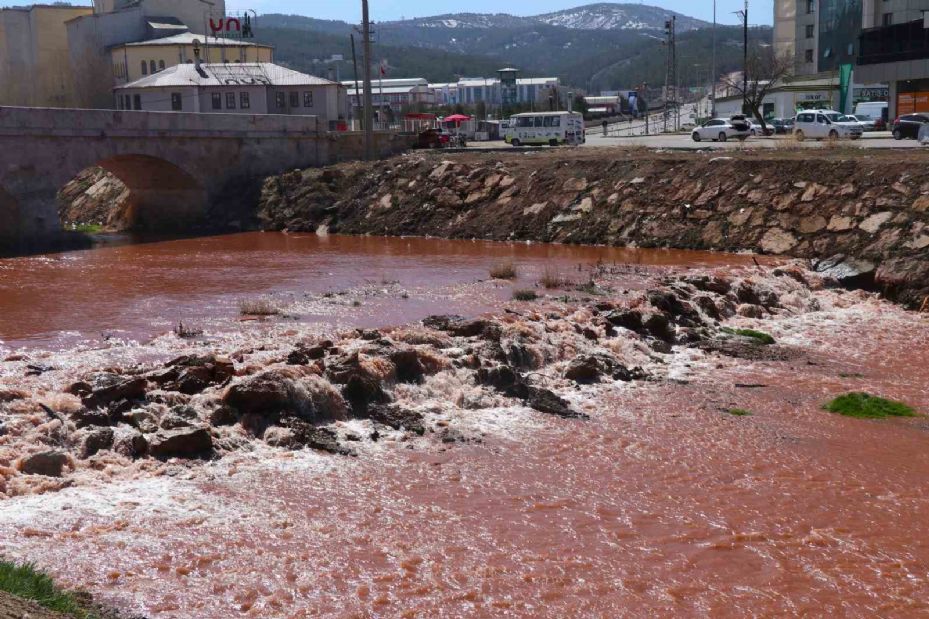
[
  {"x": 659, "y": 326},
  {"x": 130, "y": 444},
  {"x": 509, "y": 382},
  {"x": 586, "y": 369},
  {"x": 304, "y": 355},
  {"x": 296, "y": 434},
  {"x": 409, "y": 368},
  {"x": 626, "y": 318},
  {"x": 359, "y": 386},
  {"x": 284, "y": 392},
  {"x": 545, "y": 401},
  {"x": 224, "y": 416},
  {"x": 192, "y": 374},
  {"x": 709, "y": 283},
  {"x": 96, "y": 440},
  {"x": 108, "y": 388},
  {"x": 397, "y": 418},
  {"x": 181, "y": 443},
  {"x": 462, "y": 327},
  {"x": 85, "y": 417},
  {"x": 48, "y": 463},
  {"x": 848, "y": 272}
]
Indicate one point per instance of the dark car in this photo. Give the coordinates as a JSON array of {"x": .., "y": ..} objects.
[
  {"x": 431, "y": 138},
  {"x": 907, "y": 126},
  {"x": 783, "y": 126}
]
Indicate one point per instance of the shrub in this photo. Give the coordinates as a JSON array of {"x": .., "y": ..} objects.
[
  {"x": 525, "y": 294},
  {"x": 258, "y": 307},
  {"x": 739, "y": 412},
  {"x": 503, "y": 270},
  {"x": 865, "y": 406}
]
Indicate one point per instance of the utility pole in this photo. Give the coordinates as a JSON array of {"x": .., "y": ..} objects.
[
  {"x": 355, "y": 73},
  {"x": 744, "y": 15},
  {"x": 713, "y": 69},
  {"x": 368, "y": 114},
  {"x": 670, "y": 77}
]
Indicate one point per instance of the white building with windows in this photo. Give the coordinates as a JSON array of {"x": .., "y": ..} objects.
[{"x": 236, "y": 88}]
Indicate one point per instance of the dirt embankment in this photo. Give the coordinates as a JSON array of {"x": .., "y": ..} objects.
[{"x": 864, "y": 215}]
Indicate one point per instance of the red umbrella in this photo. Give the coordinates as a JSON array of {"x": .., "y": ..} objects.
[{"x": 456, "y": 118}]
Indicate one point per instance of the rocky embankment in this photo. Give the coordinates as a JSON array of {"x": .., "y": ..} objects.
[
  {"x": 299, "y": 393},
  {"x": 93, "y": 198},
  {"x": 864, "y": 216}
]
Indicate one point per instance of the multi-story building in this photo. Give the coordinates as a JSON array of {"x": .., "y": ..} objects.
[
  {"x": 399, "y": 95},
  {"x": 894, "y": 49},
  {"x": 821, "y": 37},
  {"x": 35, "y": 69},
  {"x": 133, "y": 61},
  {"x": 236, "y": 88},
  {"x": 65, "y": 56}
]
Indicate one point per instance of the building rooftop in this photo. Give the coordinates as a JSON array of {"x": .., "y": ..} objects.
[
  {"x": 187, "y": 38},
  {"x": 225, "y": 74}
]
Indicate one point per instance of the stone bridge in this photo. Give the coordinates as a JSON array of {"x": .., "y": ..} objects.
[{"x": 174, "y": 164}]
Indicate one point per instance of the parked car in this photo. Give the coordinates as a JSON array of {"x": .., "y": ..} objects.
[
  {"x": 757, "y": 130},
  {"x": 783, "y": 126},
  {"x": 865, "y": 122},
  {"x": 824, "y": 124},
  {"x": 907, "y": 126},
  {"x": 432, "y": 138},
  {"x": 720, "y": 129}
]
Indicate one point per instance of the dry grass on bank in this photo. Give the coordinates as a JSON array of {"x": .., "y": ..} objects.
[
  {"x": 551, "y": 279},
  {"x": 503, "y": 270},
  {"x": 258, "y": 307}
]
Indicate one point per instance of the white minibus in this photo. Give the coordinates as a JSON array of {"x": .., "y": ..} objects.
[{"x": 552, "y": 128}]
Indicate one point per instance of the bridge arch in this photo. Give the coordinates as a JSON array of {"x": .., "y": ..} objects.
[
  {"x": 9, "y": 216},
  {"x": 162, "y": 196}
]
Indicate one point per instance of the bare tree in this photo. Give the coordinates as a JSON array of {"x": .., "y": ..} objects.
[{"x": 766, "y": 71}]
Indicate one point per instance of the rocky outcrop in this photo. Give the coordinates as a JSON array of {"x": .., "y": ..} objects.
[{"x": 866, "y": 209}]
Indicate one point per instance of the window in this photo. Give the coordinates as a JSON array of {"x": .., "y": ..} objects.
[
  {"x": 128, "y": 102},
  {"x": 137, "y": 102},
  {"x": 279, "y": 100},
  {"x": 152, "y": 68},
  {"x": 887, "y": 19},
  {"x": 547, "y": 121},
  {"x": 217, "y": 101},
  {"x": 294, "y": 99},
  {"x": 809, "y": 7},
  {"x": 161, "y": 65},
  {"x": 244, "y": 103},
  {"x": 556, "y": 121},
  {"x": 230, "y": 100},
  {"x": 808, "y": 55},
  {"x": 307, "y": 98},
  {"x": 144, "y": 68},
  {"x": 538, "y": 121},
  {"x": 809, "y": 31},
  {"x": 177, "y": 104},
  {"x": 119, "y": 102}
]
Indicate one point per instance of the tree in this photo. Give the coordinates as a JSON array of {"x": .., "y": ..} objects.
[
  {"x": 580, "y": 105},
  {"x": 766, "y": 71}
]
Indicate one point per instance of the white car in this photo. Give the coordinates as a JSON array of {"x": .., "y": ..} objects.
[
  {"x": 720, "y": 129},
  {"x": 865, "y": 122},
  {"x": 824, "y": 124}
]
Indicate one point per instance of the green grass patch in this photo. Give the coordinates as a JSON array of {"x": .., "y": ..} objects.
[
  {"x": 88, "y": 228},
  {"x": 865, "y": 406},
  {"x": 760, "y": 336},
  {"x": 27, "y": 582},
  {"x": 738, "y": 412}
]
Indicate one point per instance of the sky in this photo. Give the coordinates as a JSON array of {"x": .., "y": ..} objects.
[{"x": 760, "y": 11}]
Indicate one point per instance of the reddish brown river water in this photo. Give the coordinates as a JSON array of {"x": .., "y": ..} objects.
[
  {"x": 659, "y": 505},
  {"x": 137, "y": 291}
]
